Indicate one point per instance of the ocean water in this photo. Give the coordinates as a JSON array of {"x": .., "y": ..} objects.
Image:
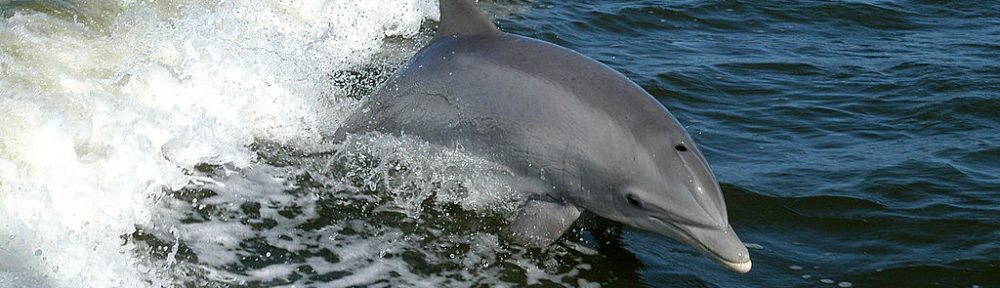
[{"x": 184, "y": 143}]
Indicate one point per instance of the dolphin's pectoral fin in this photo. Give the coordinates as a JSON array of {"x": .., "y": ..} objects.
[{"x": 542, "y": 222}]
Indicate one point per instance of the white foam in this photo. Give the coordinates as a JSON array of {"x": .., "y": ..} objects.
[
  {"x": 98, "y": 116},
  {"x": 454, "y": 176},
  {"x": 8, "y": 279},
  {"x": 371, "y": 254}
]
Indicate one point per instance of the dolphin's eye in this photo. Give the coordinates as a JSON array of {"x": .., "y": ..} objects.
[
  {"x": 632, "y": 200},
  {"x": 681, "y": 148}
]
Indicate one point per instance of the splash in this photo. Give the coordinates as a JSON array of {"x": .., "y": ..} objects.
[
  {"x": 104, "y": 107},
  {"x": 380, "y": 210}
]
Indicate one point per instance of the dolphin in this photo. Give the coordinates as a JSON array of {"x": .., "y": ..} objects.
[{"x": 577, "y": 134}]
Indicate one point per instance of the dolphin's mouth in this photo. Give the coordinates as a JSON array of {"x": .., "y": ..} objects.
[
  {"x": 736, "y": 267},
  {"x": 687, "y": 237}
]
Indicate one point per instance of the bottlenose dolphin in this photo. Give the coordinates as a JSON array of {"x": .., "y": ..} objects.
[{"x": 578, "y": 134}]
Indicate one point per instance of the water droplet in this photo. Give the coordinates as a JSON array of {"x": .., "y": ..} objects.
[
  {"x": 845, "y": 284},
  {"x": 38, "y": 252},
  {"x": 268, "y": 254},
  {"x": 806, "y": 276},
  {"x": 827, "y": 281}
]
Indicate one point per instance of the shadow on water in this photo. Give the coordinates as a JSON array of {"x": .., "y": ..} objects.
[{"x": 614, "y": 263}]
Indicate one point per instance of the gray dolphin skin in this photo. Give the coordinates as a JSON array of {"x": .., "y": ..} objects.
[{"x": 578, "y": 135}]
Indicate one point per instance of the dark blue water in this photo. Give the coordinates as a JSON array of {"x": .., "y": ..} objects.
[{"x": 855, "y": 141}]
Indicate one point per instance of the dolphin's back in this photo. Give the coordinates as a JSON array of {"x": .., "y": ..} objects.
[{"x": 512, "y": 98}]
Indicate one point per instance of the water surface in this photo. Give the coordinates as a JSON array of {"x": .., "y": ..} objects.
[{"x": 183, "y": 144}]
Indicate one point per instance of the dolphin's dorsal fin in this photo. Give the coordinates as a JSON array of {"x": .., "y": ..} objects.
[{"x": 461, "y": 17}]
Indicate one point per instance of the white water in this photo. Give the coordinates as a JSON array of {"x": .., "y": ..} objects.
[
  {"x": 102, "y": 111},
  {"x": 370, "y": 251}
]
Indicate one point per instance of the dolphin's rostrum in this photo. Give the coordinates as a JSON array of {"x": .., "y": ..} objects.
[{"x": 579, "y": 135}]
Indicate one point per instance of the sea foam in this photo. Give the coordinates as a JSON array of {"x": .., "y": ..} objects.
[{"x": 104, "y": 107}]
